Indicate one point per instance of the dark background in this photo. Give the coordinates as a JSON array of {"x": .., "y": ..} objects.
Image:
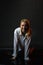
[{"x": 12, "y": 11}]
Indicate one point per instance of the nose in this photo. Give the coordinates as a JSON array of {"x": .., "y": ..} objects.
[{"x": 23, "y": 27}]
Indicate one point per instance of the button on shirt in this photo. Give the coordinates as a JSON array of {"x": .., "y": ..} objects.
[{"x": 21, "y": 41}]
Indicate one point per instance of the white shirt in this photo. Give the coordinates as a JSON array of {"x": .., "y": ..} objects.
[{"x": 23, "y": 42}]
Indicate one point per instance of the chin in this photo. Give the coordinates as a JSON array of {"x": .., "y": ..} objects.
[{"x": 23, "y": 31}]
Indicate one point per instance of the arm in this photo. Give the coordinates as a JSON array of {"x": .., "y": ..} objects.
[
  {"x": 15, "y": 44},
  {"x": 27, "y": 43}
]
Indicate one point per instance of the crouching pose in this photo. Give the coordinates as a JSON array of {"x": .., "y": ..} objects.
[{"x": 22, "y": 40}]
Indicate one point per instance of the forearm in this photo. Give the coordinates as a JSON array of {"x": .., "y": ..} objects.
[{"x": 15, "y": 44}]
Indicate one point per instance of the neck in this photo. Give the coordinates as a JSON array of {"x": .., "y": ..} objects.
[{"x": 23, "y": 33}]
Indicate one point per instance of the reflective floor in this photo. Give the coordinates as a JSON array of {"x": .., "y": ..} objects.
[
  {"x": 33, "y": 62},
  {"x": 36, "y": 59}
]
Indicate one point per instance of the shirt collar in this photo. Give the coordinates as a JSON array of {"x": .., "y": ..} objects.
[{"x": 26, "y": 35}]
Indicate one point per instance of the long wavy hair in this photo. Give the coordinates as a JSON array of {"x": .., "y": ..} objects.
[{"x": 27, "y": 21}]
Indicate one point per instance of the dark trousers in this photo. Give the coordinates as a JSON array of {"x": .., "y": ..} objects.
[{"x": 20, "y": 56}]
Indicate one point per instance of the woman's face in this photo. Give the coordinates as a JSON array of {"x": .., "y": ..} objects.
[{"x": 23, "y": 27}]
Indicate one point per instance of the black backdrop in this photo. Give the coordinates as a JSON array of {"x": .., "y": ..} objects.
[{"x": 12, "y": 11}]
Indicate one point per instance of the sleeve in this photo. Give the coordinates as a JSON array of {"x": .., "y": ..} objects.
[{"x": 15, "y": 44}]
